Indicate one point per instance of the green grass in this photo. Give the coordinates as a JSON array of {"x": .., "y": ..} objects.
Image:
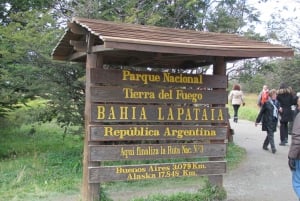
[
  {"x": 206, "y": 193},
  {"x": 37, "y": 162},
  {"x": 234, "y": 155},
  {"x": 250, "y": 110},
  {"x": 34, "y": 164}
]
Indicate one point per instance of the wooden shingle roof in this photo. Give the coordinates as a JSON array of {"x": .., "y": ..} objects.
[{"x": 139, "y": 45}]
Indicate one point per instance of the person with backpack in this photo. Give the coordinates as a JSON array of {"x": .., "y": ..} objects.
[
  {"x": 236, "y": 97},
  {"x": 263, "y": 96}
]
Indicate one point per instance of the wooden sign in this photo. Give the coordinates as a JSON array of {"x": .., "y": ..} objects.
[
  {"x": 155, "y": 151},
  {"x": 156, "y": 132},
  {"x": 155, "y": 171},
  {"x": 157, "y": 113},
  {"x": 154, "y": 95},
  {"x": 142, "y": 78}
]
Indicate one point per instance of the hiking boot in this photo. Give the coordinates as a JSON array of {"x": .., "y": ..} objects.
[
  {"x": 235, "y": 119},
  {"x": 282, "y": 144},
  {"x": 265, "y": 148},
  {"x": 274, "y": 151}
]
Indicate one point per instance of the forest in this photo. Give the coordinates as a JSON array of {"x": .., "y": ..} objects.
[{"x": 30, "y": 30}]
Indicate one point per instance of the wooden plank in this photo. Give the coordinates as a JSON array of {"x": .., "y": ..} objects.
[
  {"x": 115, "y": 94},
  {"x": 157, "y": 113},
  {"x": 156, "y": 132},
  {"x": 194, "y": 49},
  {"x": 155, "y": 151},
  {"x": 144, "y": 78},
  {"x": 155, "y": 171}
]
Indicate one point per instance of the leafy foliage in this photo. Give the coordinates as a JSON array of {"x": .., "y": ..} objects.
[
  {"x": 27, "y": 70},
  {"x": 22, "y": 44},
  {"x": 208, "y": 15},
  {"x": 66, "y": 94},
  {"x": 32, "y": 29},
  {"x": 288, "y": 72}
]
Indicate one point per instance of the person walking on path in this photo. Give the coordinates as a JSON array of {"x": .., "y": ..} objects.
[
  {"x": 268, "y": 115},
  {"x": 263, "y": 96},
  {"x": 286, "y": 99},
  {"x": 294, "y": 153},
  {"x": 236, "y": 97}
]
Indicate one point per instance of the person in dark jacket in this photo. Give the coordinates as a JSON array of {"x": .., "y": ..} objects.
[
  {"x": 286, "y": 99},
  {"x": 294, "y": 154},
  {"x": 268, "y": 115}
]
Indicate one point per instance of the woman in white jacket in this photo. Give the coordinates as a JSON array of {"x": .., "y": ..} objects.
[{"x": 236, "y": 97}]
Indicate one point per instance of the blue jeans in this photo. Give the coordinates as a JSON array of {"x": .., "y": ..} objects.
[{"x": 296, "y": 179}]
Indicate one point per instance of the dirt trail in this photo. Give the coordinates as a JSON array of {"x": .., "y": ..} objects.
[{"x": 263, "y": 176}]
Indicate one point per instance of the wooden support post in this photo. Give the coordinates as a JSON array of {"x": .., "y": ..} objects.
[
  {"x": 90, "y": 191},
  {"x": 219, "y": 68}
]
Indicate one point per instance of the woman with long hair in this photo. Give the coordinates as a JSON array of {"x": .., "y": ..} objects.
[{"x": 236, "y": 97}]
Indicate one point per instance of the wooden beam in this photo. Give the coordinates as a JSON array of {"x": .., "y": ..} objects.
[
  {"x": 76, "y": 56},
  {"x": 61, "y": 58},
  {"x": 90, "y": 192},
  {"x": 219, "y": 68},
  {"x": 79, "y": 46},
  {"x": 101, "y": 48},
  {"x": 76, "y": 29}
]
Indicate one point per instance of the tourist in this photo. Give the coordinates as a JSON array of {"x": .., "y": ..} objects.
[
  {"x": 286, "y": 99},
  {"x": 236, "y": 97},
  {"x": 268, "y": 115},
  {"x": 294, "y": 153}
]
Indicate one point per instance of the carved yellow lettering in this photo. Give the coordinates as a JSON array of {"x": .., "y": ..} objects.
[
  {"x": 126, "y": 91},
  {"x": 220, "y": 115},
  {"x": 101, "y": 112},
  {"x": 196, "y": 112},
  {"x": 160, "y": 117},
  {"x": 188, "y": 115},
  {"x": 170, "y": 114},
  {"x": 204, "y": 114},
  {"x": 123, "y": 112},
  {"x": 212, "y": 111},
  {"x": 133, "y": 113},
  {"x": 180, "y": 112},
  {"x": 143, "y": 114},
  {"x": 108, "y": 131},
  {"x": 112, "y": 113},
  {"x": 126, "y": 74}
]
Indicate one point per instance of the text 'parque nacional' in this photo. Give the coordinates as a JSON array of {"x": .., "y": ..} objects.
[{"x": 166, "y": 77}]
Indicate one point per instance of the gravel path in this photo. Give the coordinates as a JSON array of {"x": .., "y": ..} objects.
[{"x": 263, "y": 176}]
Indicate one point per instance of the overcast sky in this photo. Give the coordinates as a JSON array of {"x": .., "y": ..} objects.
[{"x": 286, "y": 8}]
